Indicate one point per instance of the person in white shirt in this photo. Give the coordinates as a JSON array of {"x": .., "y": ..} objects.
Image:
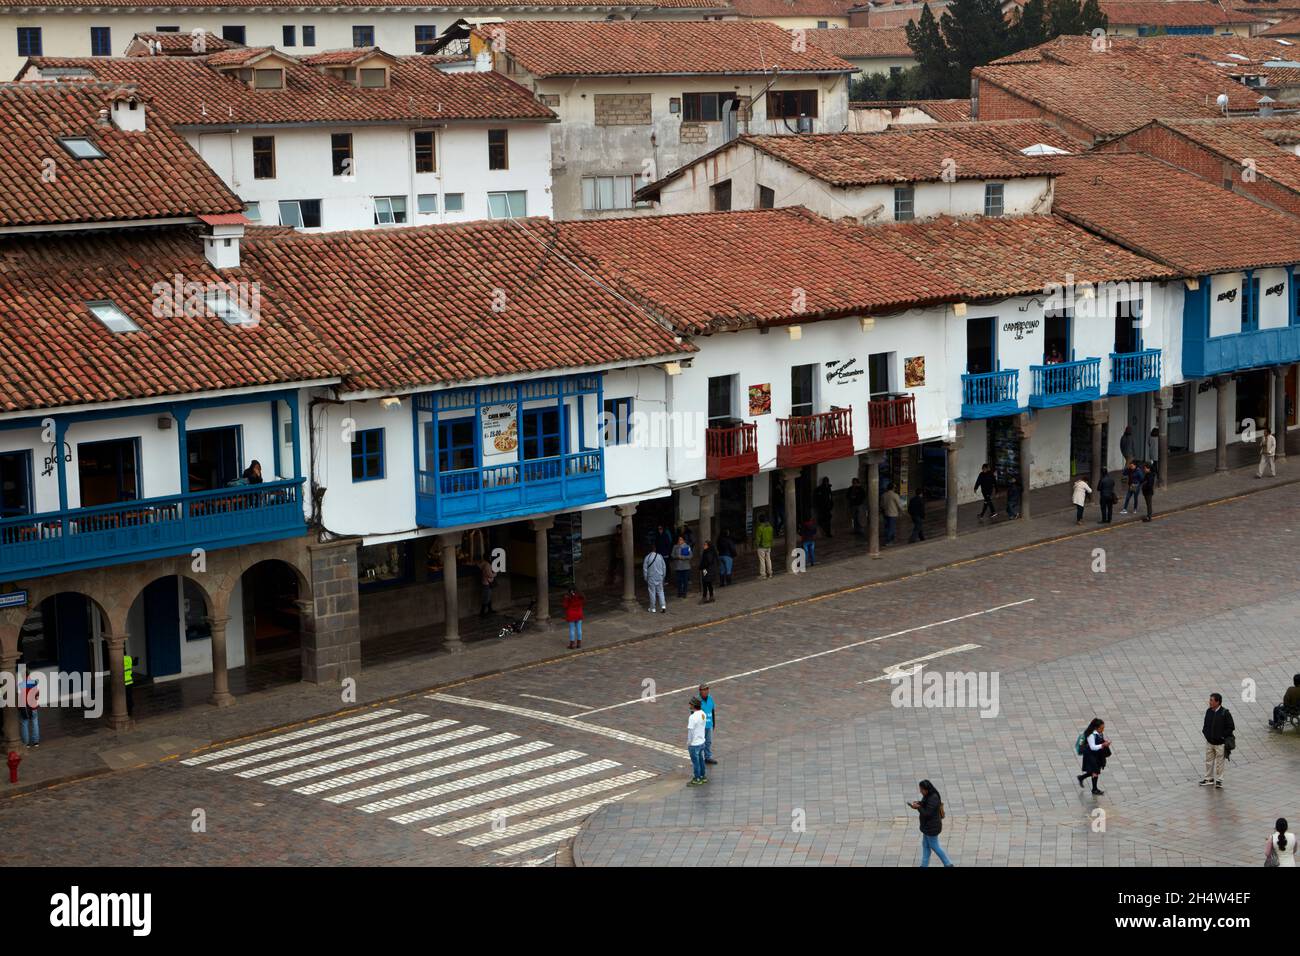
[
  {"x": 1080, "y": 498},
  {"x": 1283, "y": 844},
  {"x": 1267, "y": 449},
  {"x": 695, "y": 743}
]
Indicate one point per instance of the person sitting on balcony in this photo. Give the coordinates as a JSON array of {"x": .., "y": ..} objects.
[
  {"x": 825, "y": 505},
  {"x": 1053, "y": 357},
  {"x": 253, "y": 473}
]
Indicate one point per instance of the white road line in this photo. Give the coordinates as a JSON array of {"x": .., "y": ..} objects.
[
  {"x": 291, "y": 735},
  {"x": 539, "y": 803},
  {"x": 546, "y": 839},
  {"x": 312, "y": 744},
  {"x": 897, "y": 670},
  {"x": 554, "y": 700},
  {"x": 419, "y": 743},
  {"x": 800, "y": 660},
  {"x": 487, "y": 796},
  {"x": 571, "y": 723},
  {"x": 348, "y": 748},
  {"x": 397, "y": 783},
  {"x": 464, "y": 783},
  {"x": 393, "y": 766},
  {"x": 540, "y": 823}
]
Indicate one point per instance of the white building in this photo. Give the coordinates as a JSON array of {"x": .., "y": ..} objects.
[{"x": 348, "y": 139}]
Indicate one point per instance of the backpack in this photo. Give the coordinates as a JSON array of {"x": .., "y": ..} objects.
[{"x": 1078, "y": 744}]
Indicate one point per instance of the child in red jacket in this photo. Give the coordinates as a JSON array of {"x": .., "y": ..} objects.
[{"x": 573, "y": 614}]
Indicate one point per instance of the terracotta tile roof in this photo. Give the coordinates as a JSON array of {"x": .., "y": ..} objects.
[
  {"x": 1154, "y": 51},
  {"x": 781, "y": 266},
  {"x": 1018, "y": 255},
  {"x": 1290, "y": 27},
  {"x": 175, "y": 44},
  {"x": 344, "y": 57},
  {"x": 298, "y": 6},
  {"x": 150, "y": 174},
  {"x": 1268, "y": 142},
  {"x": 367, "y": 294},
  {"x": 941, "y": 111},
  {"x": 190, "y": 92},
  {"x": 790, "y": 8},
  {"x": 1170, "y": 13},
  {"x": 644, "y": 47},
  {"x": 862, "y": 42},
  {"x": 53, "y": 352},
  {"x": 1171, "y": 216}
]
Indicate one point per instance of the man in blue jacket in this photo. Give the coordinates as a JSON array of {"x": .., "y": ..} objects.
[{"x": 706, "y": 705}]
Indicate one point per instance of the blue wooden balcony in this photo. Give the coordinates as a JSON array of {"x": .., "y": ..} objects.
[
  {"x": 1228, "y": 353},
  {"x": 1065, "y": 383},
  {"x": 990, "y": 394},
  {"x": 74, "y": 538},
  {"x": 521, "y": 488},
  {"x": 1134, "y": 372}
]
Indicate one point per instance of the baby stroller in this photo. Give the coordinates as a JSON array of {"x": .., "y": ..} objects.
[{"x": 515, "y": 627}]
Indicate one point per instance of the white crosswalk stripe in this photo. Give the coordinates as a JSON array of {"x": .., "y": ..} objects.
[
  {"x": 490, "y": 790},
  {"x": 354, "y": 747},
  {"x": 291, "y": 735}
]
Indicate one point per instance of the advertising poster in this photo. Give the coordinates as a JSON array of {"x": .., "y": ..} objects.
[{"x": 500, "y": 433}]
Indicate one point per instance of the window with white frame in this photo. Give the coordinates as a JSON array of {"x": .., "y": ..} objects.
[
  {"x": 904, "y": 203},
  {"x": 608, "y": 192},
  {"x": 300, "y": 213},
  {"x": 508, "y": 205},
  {"x": 114, "y": 319},
  {"x": 994, "y": 199},
  {"x": 426, "y": 203},
  {"x": 453, "y": 202},
  {"x": 390, "y": 210}
]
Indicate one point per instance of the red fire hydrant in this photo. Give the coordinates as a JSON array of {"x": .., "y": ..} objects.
[{"x": 14, "y": 761}]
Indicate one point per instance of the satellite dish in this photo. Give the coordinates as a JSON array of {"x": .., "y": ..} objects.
[{"x": 1222, "y": 101}]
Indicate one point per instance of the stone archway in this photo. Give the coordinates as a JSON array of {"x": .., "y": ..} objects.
[{"x": 276, "y": 609}]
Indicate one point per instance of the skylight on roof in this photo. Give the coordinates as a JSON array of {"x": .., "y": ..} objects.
[
  {"x": 227, "y": 309},
  {"x": 81, "y": 147},
  {"x": 1238, "y": 56},
  {"x": 114, "y": 319},
  {"x": 1043, "y": 149}
]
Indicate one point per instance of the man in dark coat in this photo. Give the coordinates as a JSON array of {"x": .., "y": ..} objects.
[
  {"x": 916, "y": 511},
  {"x": 1148, "y": 488},
  {"x": 1106, "y": 496},
  {"x": 1217, "y": 729}
]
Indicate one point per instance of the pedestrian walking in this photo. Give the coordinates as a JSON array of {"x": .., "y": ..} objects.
[
  {"x": 1106, "y": 496},
  {"x": 808, "y": 541},
  {"x": 931, "y": 817},
  {"x": 1013, "y": 497},
  {"x": 825, "y": 502},
  {"x": 916, "y": 511},
  {"x": 708, "y": 706},
  {"x": 1094, "y": 747},
  {"x": 1079, "y": 496},
  {"x": 1218, "y": 731},
  {"x": 1281, "y": 845},
  {"x": 1153, "y": 451},
  {"x": 1133, "y": 478},
  {"x": 654, "y": 570},
  {"x": 763, "y": 536},
  {"x": 663, "y": 542},
  {"x": 708, "y": 572},
  {"x": 682, "y": 565},
  {"x": 891, "y": 507},
  {"x": 1267, "y": 449},
  {"x": 487, "y": 581},
  {"x": 726, "y": 558},
  {"x": 1126, "y": 440},
  {"x": 1148, "y": 488},
  {"x": 695, "y": 737},
  {"x": 857, "y": 498},
  {"x": 986, "y": 484},
  {"x": 29, "y": 711},
  {"x": 573, "y": 613}
]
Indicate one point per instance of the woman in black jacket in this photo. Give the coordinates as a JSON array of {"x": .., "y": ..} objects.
[
  {"x": 1096, "y": 748},
  {"x": 931, "y": 807},
  {"x": 708, "y": 571}
]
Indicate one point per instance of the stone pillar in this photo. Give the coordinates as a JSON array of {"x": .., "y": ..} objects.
[
  {"x": 331, "y": 617},
  {"x": 707, "y": 492},
  {"x": 1164, "y": 401},
  {"x": 117, "y": 715},
  {"x": 1221, "y": 425},
  {"x": 450, "y": 587},
  {"x": 1278, "y": 425},
  {"x": 540, "y": 527},
  {"x": 221, "y": 696},
  {"x": 873, "y": 459},
  {"x": 1096, "y": 414},
  {"x": 791, "y": 515},
  {"x": 950, "y": 475},
  {"x": 1025, "y": 426},
  {"x": 625, "y": 513},
  {"x": 12, "y": 732}
]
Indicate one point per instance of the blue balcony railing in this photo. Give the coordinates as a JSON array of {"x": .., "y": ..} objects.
[
  {"x": 1134, "y": 372},
  {"x": 1065, "y": 383},
  {"x": 1203, "y": 357},
  {"x": 518, "y": 488},
  {"x": 990, "y": 394},
  {"x": 149, "y": 528}
]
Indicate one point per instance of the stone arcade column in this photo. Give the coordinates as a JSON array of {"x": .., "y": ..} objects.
[
  {"x": 1096, "y": 414},
  {"x": 221, "y": 696},
  {"x": 791, "y": 515},
  {"x": 873, "y": 460},
  {"x": 450, "y": 588},
  {"x": 13, "y": 736},
  {"x": 625, "y": 513},
  {"x": 542, "y": 556},
  {"x": 707, "y": 492},
  {"x": 117, "y": 715},
  {"x": 1221, "y": 425},
  {"x": 951, "y": 447},
  {"x": 1164, "y": 401},
  {"x": 1279, "y": 413},
  {"x": 1025, "y": 425}
]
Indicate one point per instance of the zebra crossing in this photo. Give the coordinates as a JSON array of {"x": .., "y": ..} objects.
[{"x": 489, "y": 790}]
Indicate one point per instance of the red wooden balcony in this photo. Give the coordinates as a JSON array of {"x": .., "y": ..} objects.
[
  {"x": 892, "y": 421},
  {"x": 809, "y": 439},
  {"x": 731, "y": 452}
]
